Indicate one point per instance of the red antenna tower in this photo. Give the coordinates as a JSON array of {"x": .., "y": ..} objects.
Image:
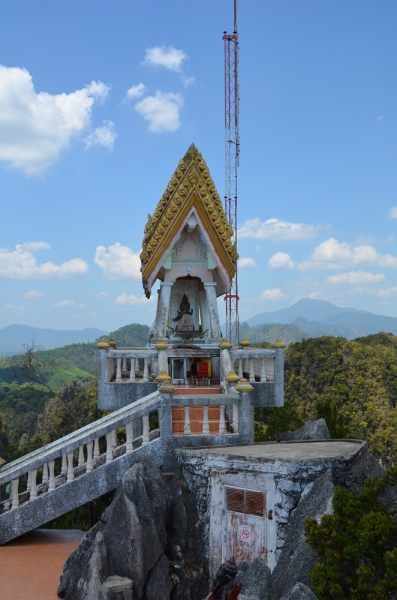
[{"x": 232, "y": 153}]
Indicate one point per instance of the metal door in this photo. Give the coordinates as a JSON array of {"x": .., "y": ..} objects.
[{"x": 245, "y": 520}]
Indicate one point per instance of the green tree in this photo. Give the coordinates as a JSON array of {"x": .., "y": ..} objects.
[{"x": 357, "y": 545}]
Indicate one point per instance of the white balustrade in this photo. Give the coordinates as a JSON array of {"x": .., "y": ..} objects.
[
  {"x": 81, "y": 460},
  {"x": 64, "y": 467},
  {"x": 145, "y": 370},
  {"x": 222, "y": 420},
  {"x": 263, "y": 370},
  {"x": 186, "y": 429},
  {"x": 33, "y": 485},
  {"x": 45, "y": 473},
  {"x": 240, "y": 368},
  {"x": 90, "y": 464},
  {"x": 114, "y": 439},
  {"x": 146, "y": 428},
  {"x": 124, "y": 363},
  {"x": 118, "y": 370},
  {"x": 129, "y": 437},
  {"x": 96, "y": 448},
  {"x": 29, "y": 480},
  {"x": 206, "y": 424},
  {"x": 251, "y": 370},
  {"x": 14, "y": 493},
  {"x": 70, "y": 475},
  {"x": 235, "y": 418},
  {"x": 51, "y": 481},
  {"x": 109, "y": 450},
  {"x": 132, "y": 372}
]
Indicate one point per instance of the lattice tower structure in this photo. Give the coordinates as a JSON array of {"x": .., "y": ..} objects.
[{"x": 232, "y": 153}]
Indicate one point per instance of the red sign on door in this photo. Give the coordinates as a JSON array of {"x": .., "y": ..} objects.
[{"x": 245, "y": 533}]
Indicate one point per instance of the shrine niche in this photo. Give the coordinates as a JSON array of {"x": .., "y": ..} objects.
[{"x": 187, "y": 246}]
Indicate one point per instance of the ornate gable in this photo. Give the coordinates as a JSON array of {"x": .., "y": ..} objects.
[{"x": 190, "y": 186}]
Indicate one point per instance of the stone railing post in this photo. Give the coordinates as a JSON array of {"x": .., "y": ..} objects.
[
  {"x": 226, "y": 362},
  {"x": 165, "y": 418},
  {"x": 132, "y": 372},
  {"x": 145, "y": 370},
  {"x": 161, "y": 348},
  {"x": 245, "y": 412}
]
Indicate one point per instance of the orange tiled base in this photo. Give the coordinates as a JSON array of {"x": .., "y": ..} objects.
[{"x": 31, "y": 565}]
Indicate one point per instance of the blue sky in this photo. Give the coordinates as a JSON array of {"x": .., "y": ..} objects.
[{"x": 99, "y": 101}]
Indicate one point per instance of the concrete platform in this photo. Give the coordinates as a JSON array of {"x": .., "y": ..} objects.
[
  {"x": 31, "y": 565},
  {"x": 339, "y": 449}
]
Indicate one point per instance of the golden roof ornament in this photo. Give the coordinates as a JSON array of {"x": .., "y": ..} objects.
[
  {"x": 232, "y": 377},
  {"x": 190, "y": 186},
  {"x": 102, "y": 344},
  {"x": 112, "y": 343},
  {"x": 225, "y": 344},
  {"x": 243, "y": 386},
  {"x": 162, "y": 377},
  {"x": 167, "y": 388},
  {"x": 279, "y": 344},
  {"x": 245, "y": 343},
  {"x": 161, "y": 345}
]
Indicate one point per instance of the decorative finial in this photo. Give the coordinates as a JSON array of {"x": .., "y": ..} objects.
[
  {"x": 232, "y": 377},
  {"x": 243, "y": 386},
  {"x": 279, "y": 344},
  {"x": 112, "y": 343},
  {"x": 102, "y": 344},
  {"x": 245, "y": 343},
  {"x": 162, "y": 377},
  {"x": 161, "y": 345},
  {"x": 225, "y": 345},
  {"x": 167, "y": 388}
]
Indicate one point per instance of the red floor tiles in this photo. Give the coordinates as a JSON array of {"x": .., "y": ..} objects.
[{"x": 31, "y": 565}]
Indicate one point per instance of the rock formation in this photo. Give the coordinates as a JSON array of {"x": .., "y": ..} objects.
[{"x": 148, "y": 536}]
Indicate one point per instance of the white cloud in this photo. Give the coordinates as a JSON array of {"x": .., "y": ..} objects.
[
  {"x": 247, "y": 263},
  {"x": 161, "y": 110},
  {"x": 391, "y": 291},
  {"x": 35, "y": 246},
  {"x": 281, "y": 260},
  {"x": 334, "y": 255},
  {"x": 102, "y": 136},
  {"x": 118, "y": 262},
  {"x": 354, "y": 278},
  {"x": 65, "y": 304},
  {"x": 33, "y": 294},
  {"x": 188, "y": 80},
  {"x": 36, "y": 128},
  {"x": 274, "y": 294},
  {"x": 131, "y": 299},
  {"x": 276, "y": 230},
  {"x": 22, "y": 264},
  {"x": 12, "y": 307},
  {"x": 136, "y": 91},
  {"x": 165, "y": 56},
  {"x": 393, "y": 212},
  {"x": 101, "y": 295}
]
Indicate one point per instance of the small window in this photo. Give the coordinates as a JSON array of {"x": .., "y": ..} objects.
[{"x": 246, "y": 501}]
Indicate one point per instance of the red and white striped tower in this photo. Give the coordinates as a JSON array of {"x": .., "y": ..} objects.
[{"x": 232, "y": 152}]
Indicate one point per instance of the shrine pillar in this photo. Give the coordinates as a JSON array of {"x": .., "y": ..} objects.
[
  {"x": 204, "y": 316},
  {"x": 210, "y": 290},
  {"x": 163, "y": 308}
]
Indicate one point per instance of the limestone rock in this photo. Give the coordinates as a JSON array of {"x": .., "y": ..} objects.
[
  {"x": 256, "y": 580},
  {"x": 300, "y": 592},
  {"x": 297, "y": 559},
  {"x": 147, "y": 535},
  {"x": 312, "y": 430}
]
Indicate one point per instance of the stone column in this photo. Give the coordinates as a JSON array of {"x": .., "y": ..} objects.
[
  {"x": 204, "y": 315},
  {"x": 163, "y": 308},
  {"x": 210, "y": 291}
]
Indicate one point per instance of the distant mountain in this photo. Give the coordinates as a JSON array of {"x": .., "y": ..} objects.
[
  {"x": 315, "y": 318},
  {"x": 13, "y": 337}
]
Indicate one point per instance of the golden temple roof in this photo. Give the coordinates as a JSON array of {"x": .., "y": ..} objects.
[{"x": 190, "y": 186}]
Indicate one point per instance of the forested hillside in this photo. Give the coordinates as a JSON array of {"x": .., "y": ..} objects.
[
  {"x": 352, "y": 384},
  {"x": 22, "y": 402}
]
